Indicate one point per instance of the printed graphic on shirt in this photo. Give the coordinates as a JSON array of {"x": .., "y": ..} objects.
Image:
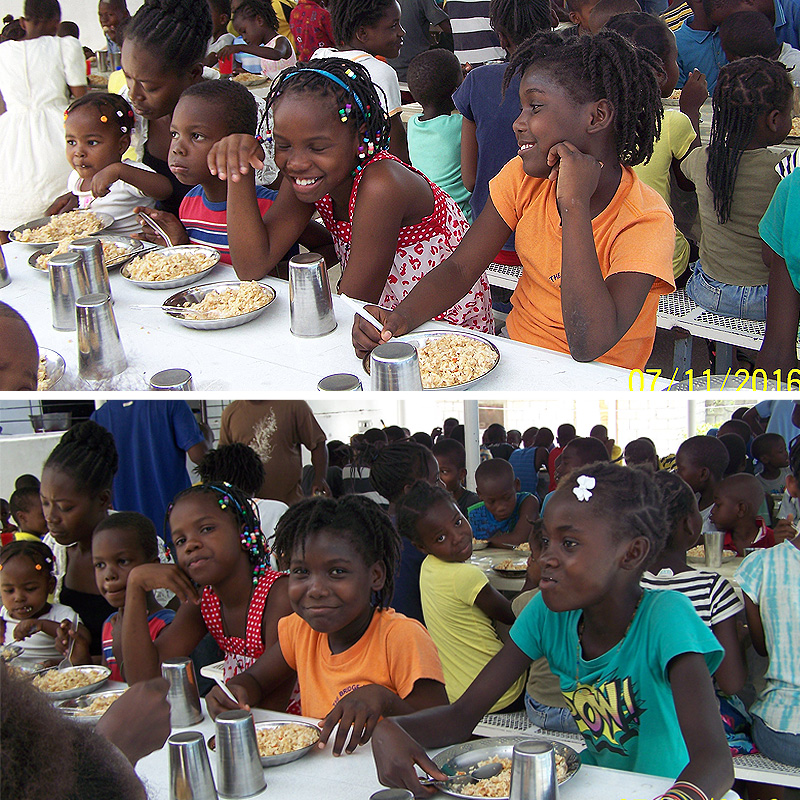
[{"x": 263, "y": 432}]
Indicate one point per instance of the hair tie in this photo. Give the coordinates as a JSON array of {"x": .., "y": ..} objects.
[{"x": 583, "y": 490}]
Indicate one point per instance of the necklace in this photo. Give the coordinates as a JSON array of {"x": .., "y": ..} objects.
[{"x": 615, "y": 647}]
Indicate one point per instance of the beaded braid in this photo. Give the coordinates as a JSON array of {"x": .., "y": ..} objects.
[
  {"x": 746, "y": 89},
  {"x": 38, "y": 552},
  {"x": 677, "y": 499},
  {"x": 519, "y": 19},
  {"x": 602, "y": 66},
  {"x": 398, "y": 465},
  {"x": 88, "y": 454},
  {"x": 246, "y": 514},
  {"x": 347, "y": 16},
  {"x": 349, "y": 84},
  {"x": 411, "y": 507},
  {"x": 249, "y": 9},
  {"x": 113, "y": 108}
]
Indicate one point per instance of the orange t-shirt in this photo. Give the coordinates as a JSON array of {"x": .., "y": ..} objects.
[
  {"x": 634, "y": 233},
  {"x": 395, "y": 652}
]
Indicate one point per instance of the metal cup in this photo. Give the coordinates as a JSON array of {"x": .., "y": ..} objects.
[
  {"x": 713, "y": 548},
  {"x": 103, "y": 61},
  {"x": 190, "y": 775},
  {"x": 63, "y": 270},
  {"x": 310, "y": 301},
  {"x": 100, "y": 353},
  {"x": 239, "y": 769},
  {"x": 533, "y": 771},
  {"x": 92, "y": 275},
  {"x": 394, "y": 367},
  {"x": 341, "y": 382},
  {"x": 174, "y": 380},
  {"x": 4, "y": 276},
  {"x": 116, "y": 61},
  {"x": 183, "y": 696},
  {"x": 392, "y": 794}
]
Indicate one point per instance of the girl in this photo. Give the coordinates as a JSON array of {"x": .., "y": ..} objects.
[
  {"x": 120, "y": 543},
  {"x": 98, "y": 131},
  {"x": 218, "y": 544},
  {"x": 590, "y": 284},
  {"x": 356, "y": 660},
  {"x": 633, "y": 664},
  {"x": 680, "y": 130},
  {"x": 257, "y": 23},
  {"x": 389, "y": 224},
  {"x": 37, "y": 76},
  {"x": 752, "y": 111},
  {"x": 27, "y": 618},
  {"x": 76, "y": 497}
]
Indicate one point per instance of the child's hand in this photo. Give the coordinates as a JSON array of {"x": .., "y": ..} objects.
[
  {"x": 217, "y": 701},
  {"x": 358, "y": 710},
  {"x": 172, "y": 226},
  {"x": 147, "y": 577},
  {"x": 784, "y": 529},
  {"x": 366, "y": 337},
  {"x": 229, "y": 50},
  {"x": 103, "y": 180},
  {"x": 234, "y": 155},
  {"x": 576, "y": 175},
  {"x": 61, "y": 204},
  {"x": 26, "y": 628},
  {"x": 2, "y": 631},
  {"x": 67, "y": 632},
  {"x": 694, "y": 92}
]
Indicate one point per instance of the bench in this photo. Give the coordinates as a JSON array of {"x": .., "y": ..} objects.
[{"x": 757, "y": 768}]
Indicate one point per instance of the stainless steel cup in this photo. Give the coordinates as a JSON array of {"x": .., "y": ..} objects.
[
  {"x": 533, "y": 771},
  {"x": 103, "y": 61},
  {"x": 341, "y": 382},
  {"x": 190, "y": 775},
  {"x": 239, "y": 769},
  {"x": 713, "y": 548},
  {"x": 92, "y": 275},
  {"x": 394, "y": 367},
  {"x": 5, "y": 279},
  {"x": 100, "y": 353},
  {"x": 310, "y": 301},
  {"x": 63, "y": 270},
  {"x": 116, "y": 61},
  {"x": 183, "y": 697},
  {"x": 392, "y": 794},
  {"x": 175, "y": 380}
]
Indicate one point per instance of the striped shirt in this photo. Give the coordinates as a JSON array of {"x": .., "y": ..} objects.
[
  {"x": 712, "y": 596},
  {"x": 474, "y": 41}
]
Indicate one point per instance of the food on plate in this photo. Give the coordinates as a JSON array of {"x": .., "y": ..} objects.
[
  {"x": 676, "y": 95},
  {"x": 700, "y": 552},
  {"x": 97, "y": 81},
  {"x": 285, "y": 739},
  {"x": 512, "y": 565},
  {"x": 97, "y": 707},
  {"x": 454, "y": 359},
  {"x": 231, "y": 301},
  {"x": 55, "y": 680},
  {"x": 248, "y": 77},
  {"x": 524, "y": 547},
  {"x": 795, "y": 131},
  {"x": 158, "y": 266},
  {"x": 111, "y": 252},
  {"x": 43, "y": 383},
  {"x": 500, "y": 785},
  {"x": 71, "y": 225}
]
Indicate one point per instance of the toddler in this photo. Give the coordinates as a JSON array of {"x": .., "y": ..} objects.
[
  {"x": 452, "y": 459},
  {"x": 769, "y": 450},
  {"x": 504, "y": 514},
  {"x": 20, "y": 363},
  {"x": 735, "y": 511},
  {"x": 25, "y": 506},
  {"x": 701, "y": 461},
  {"x": 434, "y": 137}
]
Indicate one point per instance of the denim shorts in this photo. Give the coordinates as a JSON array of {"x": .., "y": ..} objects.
[
  {"x": 783, "y": 747},
  {"x": 727, "y": 299},
  {"x": 549, "y": 717}
]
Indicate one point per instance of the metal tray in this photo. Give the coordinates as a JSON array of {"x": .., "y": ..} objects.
[
  {"x": 197, "y": 293},
  {"x": 72, "y": 708},
  {"x": 132, "y": 246},
  {"x": 184, "y": 280},
  {"x": 106, "y": 219},
  {"x": 283, "y": 758},
  {"x": 55, "y": 366},
  {"x": 511, "y": 573},
  {"x": 8, "y": 652},
  {"x": 68, "y": 694}
]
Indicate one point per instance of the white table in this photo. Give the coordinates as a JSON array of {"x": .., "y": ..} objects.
[
  {"x": 490, "y": 557},
  {"x": 263, "y": 354}
]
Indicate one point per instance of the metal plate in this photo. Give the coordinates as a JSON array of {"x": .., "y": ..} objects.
[
  {"x": 197, "y": 293},
  {"x": 283, "y": 758},
  {"x": 511, "y": 573},
  {"x": 54, "y": 369},
  {"x": 466, "y": 757},
  {"x": 479, "y": 544},
  {"x": 67, "y": 694},
  {"x": 106, "y": 219},
  {"x": 252, "y": 83},
  {"x": 9, "y": 652},
  {"x": 72, "y": 708},
  {"x": 174, "y": 283},
  {"x": 132, "y": 247}
]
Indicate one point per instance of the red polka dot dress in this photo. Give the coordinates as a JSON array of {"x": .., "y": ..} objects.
[
  {"x": 420, "y": 248},
  {"x": 239, "y": 653}
]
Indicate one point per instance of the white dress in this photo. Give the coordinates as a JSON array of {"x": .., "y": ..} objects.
[{"x": 34, "y": 76}]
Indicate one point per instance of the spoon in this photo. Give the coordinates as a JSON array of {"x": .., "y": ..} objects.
[
  {"x": 228, "y": 693},
  {"x": 156, "y": 227},
  {"x": 168, "y": 309},
  {"x": 479, "y": 774},
  {"x": 66, "y": 662},
  {"x": 362, "y": 312}
]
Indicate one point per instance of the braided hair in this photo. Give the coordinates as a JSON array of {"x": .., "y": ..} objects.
[
  {"x": 746, "y": 89},
  {"x": 235, "y": 463},
  {"x": 38, "y": 552},
  {"x": 113, "y": 109},
  {"x": 358, "y": 518},
  {"x": 518, "y": 20},
  {"x": 351, "y": 88},
  {"x": 177, "y": 31},
  {"x": 608, "y": 66},
  {"x": 250, "y": 9},
  {"x": 397, "y": 466},
  {"x": 347, "y": 16},
  {"x": 244, "y": 511},
  {"x": 411, "y": 507},
  {"x": 87, "y": 453},
  {"x": 677, "y": 501}
]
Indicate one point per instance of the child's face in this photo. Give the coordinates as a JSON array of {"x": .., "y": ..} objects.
[
  {"x": 331, "y": 585},
  {"x": 688, "y": 469},
  {"x": 385, "y": 37},
  {"x": 219, "y": 20},
  {"x": 19, "y": 357},
  {"x": 253, "y": 29},
  {"x": 115, "y": 552},
  {"x": 694, "y": 525},
  {"x": 32, "y": 520},
  {"x": 581, "y": 18},
  {"x": 24, "y": 588},
  {"x": 71, "y": 514},
  {"x": 110, "y": 16},
  {"x": 91, "y": 143},
  {"x": 726, "y": 510},
  {"x": 445, "y": 533},
  {"x": 194, "y": 130},
  {"x": 568, "y": 460},
  {"x": 450, "y": 474},
  {"x": 499, "y": 495}
]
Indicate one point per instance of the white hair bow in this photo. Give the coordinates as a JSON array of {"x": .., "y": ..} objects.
[{"x": 583, "y": 490}]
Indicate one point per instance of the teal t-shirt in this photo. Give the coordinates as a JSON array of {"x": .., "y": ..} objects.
[
  {"x": 779, "y": 228},
  {"x": 622, "y": 701},
  {"x": 434, "y": 146}
]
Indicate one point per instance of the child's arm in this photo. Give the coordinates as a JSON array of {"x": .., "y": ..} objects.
[
  {"x": 693, "y": 95},
  {"x": 528, "y": 514},
  {"x": 398, "y": 145},
  {"x": 316, "y": 239},
  {"x": 66, "y": 202},
  {"x": 469, "y": 153},
  {"x": 171, "y": 225},
  {"x": 732, "y": 672},
  {"x": 151, "y": 184},
  {"x": 756, "y": 627},
  {"x": 282, "y": 49},
  {"x": 494, "y": 605},
  {"x": 80, "y": 651},
  {"x": 779, "y": 348}
]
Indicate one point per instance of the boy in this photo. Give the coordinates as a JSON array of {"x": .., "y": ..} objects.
[
  {"x": 434, "y": 136},
  {"x": 112, "y": 13},
  {"x": 735, "y": 511},
  {"x": 220, "y": 17},
  {"x": 641, "y": 452},
  {"x": 505, "y": 514},
  {"x": 699, "y": 47},
  {"x": 19, "y": 357},
  {"x": 26, "y": 509},
  {"x": 452, "y": 459},
  {"x": 770, "y": 451},
  {"x": 701, "y": 461},
  {"x": 605, "y": 9}
]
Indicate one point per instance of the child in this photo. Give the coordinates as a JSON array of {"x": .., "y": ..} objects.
[
  {"x": 735, "y": 511},
  {"x": 577, "y": 453},
  {"x": 458, "y": 602},
  {"x": 112, "y": 15},
  {"x": 773, "y": 616},
  {"x": 217, "y": 544},
  {"x": 257, "y": 22},
  {"x": 504, "y": 514},
  {"x": 434, "y": 136},
  {"x": 356, "y": 660},
  {"x": 701, "y": 461},
  {"x": 641, "y": 452},
  {"x": 31, "y": 160},
  {"x": 311, "y": 26},
  {"x": 680, "y": 130},
  {"x": 588, "y": 288},
  {"x": 752, "y": 112},
  {"x": 27, "y": 618},
  {"x": 20, "y": 363},
  {"x": 604, "y": 10},
  {"x": 402, "y": 228},
  {"x": 769, "y": 450},
  {"x": 579, "y": 12},
  {"x": 452, "y": 460},
  {"x": 699, "y": 48},
  {"x": 622, "y": 653},
  {"x": 25, "y": 506},
  {"x": 220, "y": 17},
  {"x": 121, "y": 542}
]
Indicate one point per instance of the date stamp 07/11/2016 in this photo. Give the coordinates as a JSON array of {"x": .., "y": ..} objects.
[{"x": 652, "y": 380}]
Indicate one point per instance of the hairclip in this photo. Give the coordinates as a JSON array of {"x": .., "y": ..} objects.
[
  {"x": 103, "y": 118},
  {"x": 66, "y": 114},
  {"x": 583, "y": 490},
  {"x": 120, "y": 113},
  {"x": 37, "y": 566}
]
